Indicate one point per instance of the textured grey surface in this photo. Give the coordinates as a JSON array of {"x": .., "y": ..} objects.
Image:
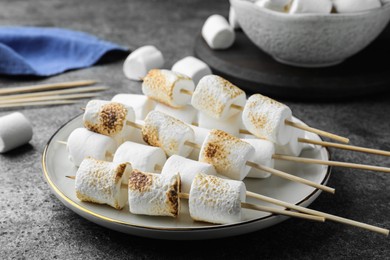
[{"x": 35, "y": 225}]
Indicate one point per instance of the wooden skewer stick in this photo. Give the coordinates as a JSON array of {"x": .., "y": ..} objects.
[
  {"x": 47, "y": 86},
  {"x": 330, "y": 163},
  {"x": 43, "y": 103},
  {"x": 318, "y": 213},
  {"x": 47, "y": 98},
  {"x": 293, "y": 124}
]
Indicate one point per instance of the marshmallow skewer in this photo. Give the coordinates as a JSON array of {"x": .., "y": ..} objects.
[{"x": 40, "y": 103}]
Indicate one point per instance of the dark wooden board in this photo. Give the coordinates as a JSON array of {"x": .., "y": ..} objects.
[{"x": 245, "y": 65}]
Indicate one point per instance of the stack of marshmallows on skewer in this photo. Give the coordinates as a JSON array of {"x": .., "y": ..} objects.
[{"x": 177, "y": 141}]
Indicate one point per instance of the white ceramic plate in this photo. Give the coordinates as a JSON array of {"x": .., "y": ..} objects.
[{"x": 56, "y": 166}]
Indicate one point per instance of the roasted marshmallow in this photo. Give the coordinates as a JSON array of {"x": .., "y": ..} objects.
[
  {"x": 217, "y": 33},
  {"x": 100, "y": 182},
  {"x": 187, "y": 114},
  {"x": 141, "y": 104},
  {"x": 168, "y": 87},
  {"x": 141, "y": 61},
  {"x": 349, "y": 6},
  {"x": 15, "y": 130},
  {"x": 192, "y": 67},
  {"x": 311, "y": 7},
  {"x": 264, "y": 150}
]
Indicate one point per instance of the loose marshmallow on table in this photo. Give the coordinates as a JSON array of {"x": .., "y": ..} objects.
[
  {"x": 187, "y": 169},
  {"x": 166, "y": 87},
  {"x": 229, "y": 125},
  {"x": 216, "y": 200},
  {"x": 349, "y": 6},
  {"x": 200, "y": 135},
  {"x": 228, "y": 154},
  {"x": 168, "y": 133},
  {"x": 311, "y": 7},
  {"x": 141, "y": 104},
  {"x": 264, "y": 150},
  {"x": 109, "y": 118},
  {"x": 154, "y": 194},
  {"x": 142, "y": 157},
  {"x": 217, "y": 33},
  {"x": 140, "y": 61},
  {"x": 265, "y": 118},
  {"x": 83, "y": 143},
  {"x": 192, "y": 67},
  {"x": 233, "y": 19},
  {"x": 15, "y": 130},
  {"x": 275, "y": 5},
  {"x": 187, "y": 114},
  {"x": 100, "y": 182},
  {"x": 214, "y": 96}
]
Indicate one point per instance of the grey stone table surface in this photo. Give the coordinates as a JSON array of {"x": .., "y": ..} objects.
[{"x": 34, "y": 224}]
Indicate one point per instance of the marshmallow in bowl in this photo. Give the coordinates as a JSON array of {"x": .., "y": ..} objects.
[
  {"x": 154, "y": 194},
  {"x": 166, "y": 86},
  {"x": 275, "y": 5},
  {"x": 227, "y": 153},
  {"x": 168, "y": 133},
  {"x": 141, "y": 104},
  {"x": 214, "y": 96},
  {"x": 187, "y": 114},
  {"x": 187, "y": 169},
  {"x": 100, "y": 182},
  {"x": 83, "y": 143},
  {"x": 264, "y": 150},
  {"x": 217, "y": 33},
  {"x": 109, "y": 118},
  {"x": 349, "y": 6},
  {"x": 265, "y": 118},
  {"x": 229, "y": 125},
  {"x": 140, "y": 61},
  {"x": 192, "y": 67},
  {"x": 216, "y": 200},
  {"x": 233, "y": 21},
  {"x": 310, "y": 6},
  {"x": 142, "y": 157},
  {"x": 200, "y": 135},
  {"x": 15, "y": 130}
]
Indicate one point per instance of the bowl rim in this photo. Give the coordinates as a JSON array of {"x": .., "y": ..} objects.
[{"x": 383, "y": 8}]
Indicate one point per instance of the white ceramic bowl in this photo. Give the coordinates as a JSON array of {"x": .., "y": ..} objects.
[{"x": 310, "y": 40}]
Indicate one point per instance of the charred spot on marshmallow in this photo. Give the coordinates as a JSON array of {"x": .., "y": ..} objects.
[
  {"x": 140, "y": 181},
  {"x": 120, "y": 169},
  {"x": 231, "y": 90},
  {"x": 173, "y": 197},
  {"x": 150, "y": 135}
]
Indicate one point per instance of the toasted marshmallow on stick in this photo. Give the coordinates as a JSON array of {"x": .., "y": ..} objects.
[
  {"x": 311, "y": 7},
  {"x": 229, "y": 125},
  {"x": 275, "y": 5},
  {"x": 167, "y": 87},
  {"x": 141, "y": 61},
  {"x": 168, "y": 133},
  {"x": 217, "y": 33},
  {"x": 15, "y": 130},
  {"x": 109, "y": 118},
  {"x": 187, "y": 114},
  {"x": 233, "y": 18},
  {"x": 228, "y": 154},
  {"x": 154, "y": 194},
  {"x": 264, "y": 150},
  {"x": 100, "y": 182},
  {"x": 215, "y": 96},
  {"x": 349, "y": 6},
  {"x": 187, "y": 169},
  {"x": 83, "y": 143},
  {"x": 141, "y": 104},
  {"x": 265, "y": 118},
  {"x": 216, "y": 200},
  {"x": 142, "y": 157},
  {"x": 192, "y": 67},
  {"x": 200, "y": 135}
]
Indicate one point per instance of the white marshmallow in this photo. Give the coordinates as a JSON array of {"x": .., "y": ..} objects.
[
  {"x": 100, "y": 182},
  {"x": 109, "y": 118},
  {"x": 140, "y": 61},
  {"x": 154, "y": 194},
  {"x": 168, "y": 133},
  {"x": 15, "y": 130},
  {"x": 141, "y": 104},
  {"x": 311, "y": 7},
  {"x": 187, "y": 169},
  {"x": 275, "y": 5},
  {"x": 200, "y": 135},
  {"x": 217, "y": 33},
  {"x": 228, "y": 154},
  {"x": 349, "y": 6},
  {"x": 233, "y": 19},
  {"x": 216, "y": 200},
  {"x": 214, "y": 96},
  {"x": 264, "y": 150},
  {"x": 265, "y": 118},
  {"x": 142, "y": 157},
  {"x": 230, "y": 125},
  {"x": 187, "y": 114},
  {"x": 166, "y": 87},
  {"x": 293, "y": 147},
  {"x": 192, "y": 67},
  {"x": 83, "y": 143}
]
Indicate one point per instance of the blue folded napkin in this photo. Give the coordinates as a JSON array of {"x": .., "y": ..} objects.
[{"x": 49, "y": 51}]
